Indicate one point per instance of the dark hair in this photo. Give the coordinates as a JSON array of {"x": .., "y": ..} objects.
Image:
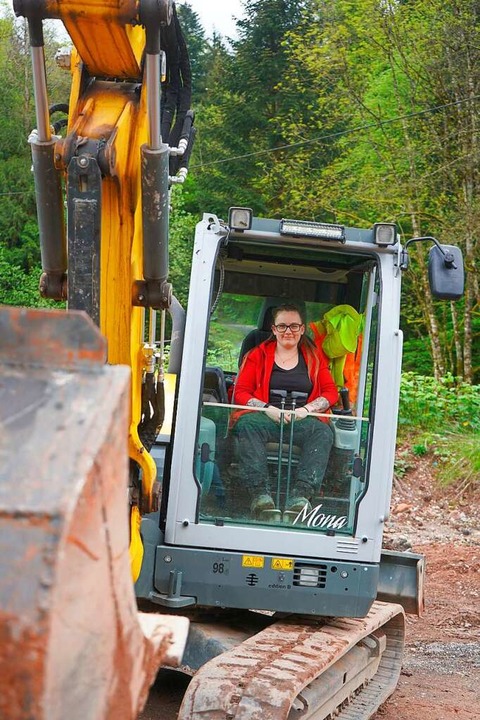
[
  {"x": 313, "y": 361},
  {"x": 288, "y": 307}
]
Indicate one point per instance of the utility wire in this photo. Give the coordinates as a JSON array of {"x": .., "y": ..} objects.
[
  {"x": 322, "y": 138},
  {"x": 15, "y": 192},
  {"x": 339, "y": 133}
]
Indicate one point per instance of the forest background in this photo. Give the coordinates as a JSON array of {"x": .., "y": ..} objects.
[{"x": 343, "y": 111}]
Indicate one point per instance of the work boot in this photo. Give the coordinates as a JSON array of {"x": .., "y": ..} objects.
[
  {"x": 262, "y": 502},
  {"x": 270, "y": 516},
  {"x": 297, "y": 503}
]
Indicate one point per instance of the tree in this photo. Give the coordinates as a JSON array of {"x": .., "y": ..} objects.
[
  {"x": 182, "y": 229},
  {"x": 198, "y": 48},
  {"x": 237, "y": 120},
  {"x": 16, "y": 119},
  {"x": 368, "y": 75}
]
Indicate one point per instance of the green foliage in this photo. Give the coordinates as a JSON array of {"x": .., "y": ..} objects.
[
  {"x": 16, "y": 120},
  {"x": 417, "y": 356},
  {"x": 224, "y": 344},
  {"x": 182, "y": 229},
  {"x": 198, "y": 48},
  {"x": 459, "y": 457},
  {"x": 419, "y": 450},
  {"x": 431, "y": 404},
  {"x": 239, "y": 116},
  {"x": 403, "y": 464},
  {"x": 365, "y": 77},
  {"x": 222, "y": 353},
  {"x": 18, "y": 287}
]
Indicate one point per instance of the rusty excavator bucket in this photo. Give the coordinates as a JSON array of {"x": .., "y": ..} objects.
[{"x": 72, "y": 643}]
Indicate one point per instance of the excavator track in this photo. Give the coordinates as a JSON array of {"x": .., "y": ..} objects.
[{"x": 320, "y": 669}]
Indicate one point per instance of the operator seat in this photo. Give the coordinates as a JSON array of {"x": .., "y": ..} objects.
[
  {"x": 214, "y": 385},
  {"x": 264, "y": 324}
]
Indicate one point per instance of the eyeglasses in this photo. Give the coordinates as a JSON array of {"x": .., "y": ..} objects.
[{"x": 293, "y": 327}]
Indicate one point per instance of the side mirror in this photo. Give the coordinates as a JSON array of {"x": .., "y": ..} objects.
[{"x": 445, "y": 272}]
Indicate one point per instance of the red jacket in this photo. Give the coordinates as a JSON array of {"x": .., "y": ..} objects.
[{"x": 253, "y": 379}]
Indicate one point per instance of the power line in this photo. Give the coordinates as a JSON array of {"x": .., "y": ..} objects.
[
  {"x": 312, "y": 141},
  {"x": 15, "y": 192},
  {"x": 339, "y": 133}
]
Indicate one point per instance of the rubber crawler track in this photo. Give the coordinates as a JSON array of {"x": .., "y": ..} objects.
[{"x": 261, "y": 677}]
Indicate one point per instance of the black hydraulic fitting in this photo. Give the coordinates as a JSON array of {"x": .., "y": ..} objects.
[{"x": 155, "y": 294}]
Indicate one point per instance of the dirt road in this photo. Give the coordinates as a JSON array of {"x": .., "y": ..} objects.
[{"x": 441, "y": 672}]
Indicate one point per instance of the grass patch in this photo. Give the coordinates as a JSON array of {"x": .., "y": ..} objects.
[
  {"x": 459, "y": 461},
  {"x": 454, "y": 457}
]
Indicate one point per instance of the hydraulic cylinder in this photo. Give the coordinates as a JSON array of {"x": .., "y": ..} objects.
[
  {"x": 155, "y": 210},
  {"x": 51, "y": 226}
]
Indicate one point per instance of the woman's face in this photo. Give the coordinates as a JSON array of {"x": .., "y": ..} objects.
[{"x": 288, "y": 338}]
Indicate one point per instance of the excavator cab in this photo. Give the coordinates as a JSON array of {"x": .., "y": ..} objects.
[
  {"x": 334, "y": 504},
  {"x": 206, "y": 547}
]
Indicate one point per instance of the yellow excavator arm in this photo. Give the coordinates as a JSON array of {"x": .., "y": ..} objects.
[
  {"x": 76, "y": 428},
  {"x": 118, "y": 168}
]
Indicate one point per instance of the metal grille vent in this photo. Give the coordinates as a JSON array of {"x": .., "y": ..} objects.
[
  {"x": 310, "y": 575},
  {"x": 347, "y": 546}
]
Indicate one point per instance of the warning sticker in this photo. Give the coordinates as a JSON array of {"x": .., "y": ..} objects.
[
  {"x": 253, "y": 561},
  {"x": 282, "y": 563}
]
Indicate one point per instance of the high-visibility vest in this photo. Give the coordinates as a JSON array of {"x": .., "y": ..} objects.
[{"x": 338, "y": 335}]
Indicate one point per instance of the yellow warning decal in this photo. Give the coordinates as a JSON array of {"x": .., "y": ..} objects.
[
  {"x": 253, "y": 561},
  {"x": 282, "y": 563}
]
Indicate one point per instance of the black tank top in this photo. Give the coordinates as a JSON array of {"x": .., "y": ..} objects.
[{"x": 294, "y": 380}]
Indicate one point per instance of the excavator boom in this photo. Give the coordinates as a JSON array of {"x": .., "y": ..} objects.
[{"x": 117, "y": 168}]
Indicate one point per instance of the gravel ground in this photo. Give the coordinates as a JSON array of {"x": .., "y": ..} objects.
[{"x": 441, "y": 673}]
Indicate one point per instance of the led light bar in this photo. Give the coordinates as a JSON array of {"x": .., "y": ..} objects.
[{"x": 303, "y": 228}]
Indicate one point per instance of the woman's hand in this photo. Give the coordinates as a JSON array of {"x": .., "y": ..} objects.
[
  {"x": 301, "y": 413},
  {"x": 274, "y": 414}
]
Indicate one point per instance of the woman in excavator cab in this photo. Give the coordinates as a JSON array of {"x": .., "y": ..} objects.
[{"x": 286, "y": 375}]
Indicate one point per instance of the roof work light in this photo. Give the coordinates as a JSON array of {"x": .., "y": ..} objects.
[
  {"x": 240, "y": 218},
  {"x": 384, "y": 234}
]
